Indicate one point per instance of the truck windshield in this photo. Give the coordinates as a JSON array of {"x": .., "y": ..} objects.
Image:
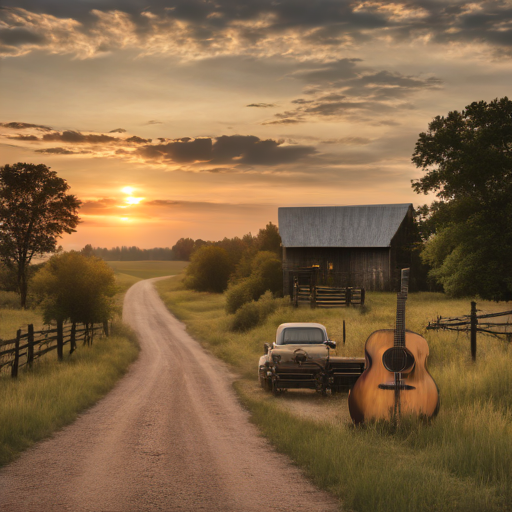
[{"x": 302, "y": 335}]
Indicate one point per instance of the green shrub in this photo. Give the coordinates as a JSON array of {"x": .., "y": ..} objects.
[
  {"x": 237, "y": 295},
  {"x": 209, "y": 270},
  {"x": 247, "y": 317},
  {"x": 254, "y": 313}
]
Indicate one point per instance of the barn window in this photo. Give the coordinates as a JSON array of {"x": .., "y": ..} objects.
[{"x": 330, "y": 266}]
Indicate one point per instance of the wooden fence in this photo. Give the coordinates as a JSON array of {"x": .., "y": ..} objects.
[
  {"x": 326, "y": 297},
  {"x": 472, "y": 323},
  {"x": 23, "y": 350}
]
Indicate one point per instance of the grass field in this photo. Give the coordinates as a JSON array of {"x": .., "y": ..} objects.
[
  {"x": 148, "y": 269},
  {"x": 53, "y": 393},
  {"x": 462, "y": 461}
]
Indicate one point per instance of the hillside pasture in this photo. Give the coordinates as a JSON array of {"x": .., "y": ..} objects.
[{"x": 147, "y": 269}]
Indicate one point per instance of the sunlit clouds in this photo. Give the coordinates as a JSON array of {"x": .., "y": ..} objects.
[
  {"x": 192, "y": 118},
  {"x": 300, "y": 29}
]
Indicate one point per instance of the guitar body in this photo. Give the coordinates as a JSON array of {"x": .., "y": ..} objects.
[{"x": 374, "y": 394}]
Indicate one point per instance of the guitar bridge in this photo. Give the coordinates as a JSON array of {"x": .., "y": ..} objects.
[{"x": 394, "y": 385}]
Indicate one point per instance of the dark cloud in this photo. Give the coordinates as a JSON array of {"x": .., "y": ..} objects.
[
  {"x": 261, "y": 105},
  {"x": 285, "y": 121},
  {"x": 77, "y": 137},
  {"x": 60, "y": 151},
  {"x": 137, "y": 140},
  {"x": 239, "y": 149},
  {"x": 343, "y": 88},
  {"x": 23, "y": 137},
  {"x": 153, "y": 121},
  {"x": 179, "y": 151},
  {"x": 23, "y": 126},
  {"x": 20, "y": 36},
  {"x": 323, "y": 23},
  {"x": 118, "y": 130}
]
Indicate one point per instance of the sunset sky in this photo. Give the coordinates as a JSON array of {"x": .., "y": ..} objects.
[{"x": 199, "y": 119}]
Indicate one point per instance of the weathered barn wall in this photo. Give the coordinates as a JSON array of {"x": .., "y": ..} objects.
[{"x": 356, "y": 267}]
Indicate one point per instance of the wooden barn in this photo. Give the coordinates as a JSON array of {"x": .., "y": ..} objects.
[{"x": 346, "y": 246}]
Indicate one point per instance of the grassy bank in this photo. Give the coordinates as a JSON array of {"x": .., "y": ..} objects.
[
  {"x": 52, "y": 393},
  {"x": 462, "y": 461}
]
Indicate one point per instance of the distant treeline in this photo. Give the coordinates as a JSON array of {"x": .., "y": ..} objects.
[
  {"x": 125, "y": 253},
  {"x": 268, "y": 239}
]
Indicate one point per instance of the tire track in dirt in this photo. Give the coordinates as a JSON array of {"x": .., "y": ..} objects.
[{"x": 170, "y": 436}]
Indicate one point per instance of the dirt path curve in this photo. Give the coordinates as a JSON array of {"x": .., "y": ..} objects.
[{"x": 171, "y": 436}]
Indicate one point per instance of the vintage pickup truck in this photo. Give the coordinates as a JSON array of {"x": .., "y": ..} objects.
[{"x": 303, "y": 357}]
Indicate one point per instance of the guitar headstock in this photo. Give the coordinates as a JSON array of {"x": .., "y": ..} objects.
[{"x": 404, "y": 286}]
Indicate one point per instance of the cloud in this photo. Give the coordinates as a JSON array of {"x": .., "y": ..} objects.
[
  {"x": 193, "y": 29},
  {"x": 137, "y": 140},
  {"x": 24, "y": 126},
  {"x": 235, "y": 150},
  {"x": 346, "y": 89},
  {"x": 23, "y": 137},
  {"x": 261, "y": 105},
  {"x": 118, "y": 130},
  {"x": 152, "y": 121},
  {"x": 60, "y": 151},
  {"x": 17, "y": 36},
  {"x": 77, "y": 137}
]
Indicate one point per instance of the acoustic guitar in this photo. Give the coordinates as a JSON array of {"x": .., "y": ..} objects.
[{"x": 396, "y": 381}]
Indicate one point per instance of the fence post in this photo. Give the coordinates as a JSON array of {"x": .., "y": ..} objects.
[
  {"x": 105, "y": 328},
  {"x": 348, "y": 296},
  {"x": 16, "y": 362},
  {"x": 72, "y": 339},
  {"x": 60, "y": 340},
  {"x": 30, "y": 346},
  {"x": 344, "y": 333},
  {"x": 473, "y": 322}
]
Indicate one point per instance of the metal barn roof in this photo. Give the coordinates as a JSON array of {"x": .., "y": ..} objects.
[{"x": 341, "y": 226}]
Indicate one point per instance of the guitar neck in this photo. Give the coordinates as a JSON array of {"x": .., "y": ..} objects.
[{"x": 400, "y": 309}]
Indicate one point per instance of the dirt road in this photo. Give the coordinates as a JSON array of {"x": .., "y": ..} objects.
[{"x": 171, "y": 436}]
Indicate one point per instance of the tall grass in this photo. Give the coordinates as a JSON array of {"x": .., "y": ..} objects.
[
  {"x": 52, "y": 394},
  {"x": 460, "y": 461}
]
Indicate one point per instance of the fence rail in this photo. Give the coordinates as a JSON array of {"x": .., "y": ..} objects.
[
  {"x": 28, "y": 346},
  {"x": 471, "y": 323},
  {"x": 327, "y": 297}
]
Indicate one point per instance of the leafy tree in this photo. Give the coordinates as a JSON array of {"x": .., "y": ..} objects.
[
  {"x": 183, "y": 248},
  {"x": 34, "y": 212},
  {"x": 209, "y": 270},
  {"x": 467, "y": 160},
  {"x": 75, "y": 287},
  {"x": 269, "y": 239}
]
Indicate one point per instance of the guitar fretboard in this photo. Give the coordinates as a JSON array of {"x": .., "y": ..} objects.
[{"x": 400, "y": 310}]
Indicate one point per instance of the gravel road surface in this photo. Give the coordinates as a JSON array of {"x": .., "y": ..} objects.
[{"x": 171, "y": 436}]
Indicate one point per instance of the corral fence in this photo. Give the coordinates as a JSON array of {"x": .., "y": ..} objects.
[
  {"x": 28, "y": 346},
  {"x": 473, "y": 323},
  {"x": 326, "y": 296}
]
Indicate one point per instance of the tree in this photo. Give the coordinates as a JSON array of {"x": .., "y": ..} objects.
[
  {"x": 35, "y": 211},
  {"x": 183, "y": 248},
  {"x": 269, "y": 239},
  {"x": 467, "y": 160},
  {"x": 209, "y": 270},
  {"x": 75, "y": 287}
]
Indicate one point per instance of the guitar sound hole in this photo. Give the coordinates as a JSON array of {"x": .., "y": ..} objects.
[{"x": 397, "y": 359}]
